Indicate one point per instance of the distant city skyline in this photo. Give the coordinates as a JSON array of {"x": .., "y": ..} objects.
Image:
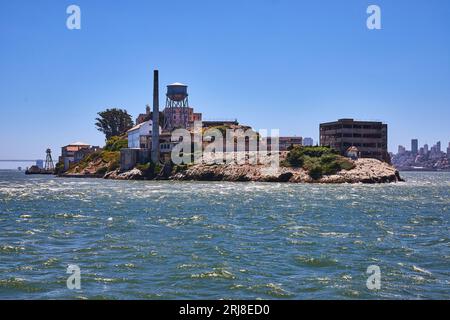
[
  {"x": 278, "y": 64},
  {"x": 420, "y": 145}
]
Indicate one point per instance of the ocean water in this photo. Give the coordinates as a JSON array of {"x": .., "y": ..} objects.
[{"x": 190, "y": 240}]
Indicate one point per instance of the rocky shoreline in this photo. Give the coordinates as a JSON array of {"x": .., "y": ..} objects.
[{"x": 368, "y": 171}]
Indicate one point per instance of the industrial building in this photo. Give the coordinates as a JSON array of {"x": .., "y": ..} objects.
[{"x": 369, "y": 137}]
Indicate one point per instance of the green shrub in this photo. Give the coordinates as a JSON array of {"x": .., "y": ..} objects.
[
  {"x": 59, "y": 168},
  {"x": 149, "y": 170},
  {"x": 316, "y": 172},
  {"x": 116, "y": 143},
  {"x": 316, "y": 151},
  {"x": 295, "y": 158},
  {"x": 318, "y": 161},
  {"x": 109, "y": 156},
  {"x": 114, "y": 165},
  {"x": 345, "y": 163}
]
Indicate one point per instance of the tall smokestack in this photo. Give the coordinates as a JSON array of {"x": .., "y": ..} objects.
[{"x": 155, "y": 118}]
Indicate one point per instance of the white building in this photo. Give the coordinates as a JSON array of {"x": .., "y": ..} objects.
[{"x": 140, "y": 136}]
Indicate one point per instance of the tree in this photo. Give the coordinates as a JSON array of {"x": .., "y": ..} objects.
[{"x": 113, "y": 122}]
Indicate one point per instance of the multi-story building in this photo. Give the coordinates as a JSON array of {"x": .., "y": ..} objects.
[
  {"x": 368, "y": 136},
  {"x": 286, "y": 143},
  {"x": 414, "y": 146},
  {"x": 75, "y": 152},
  {"x": 425, "y": 149},
  {"x": 308, "y": 142},
  {"x": 448, "y": 151},
  {"x": 401, "y": 150}
]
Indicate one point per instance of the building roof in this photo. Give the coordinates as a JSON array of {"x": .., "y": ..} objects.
[
  {"x": 177, "y": 84},
  {"x": 79, "y": 144},
  {"x": 138, "y": 126}
]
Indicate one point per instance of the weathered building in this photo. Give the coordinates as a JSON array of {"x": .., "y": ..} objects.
[
  {"x": 75, "y": 152},
  {"x": 177, "y": 116},
  {"x": 369, "y": 137},
  {"x": 286, "y": 143}
]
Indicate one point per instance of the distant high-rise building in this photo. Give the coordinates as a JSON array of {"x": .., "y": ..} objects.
[
  {"x": 448, "y": 151},
  {"x": 425, "y": 149},
  {"x": 401, "y": 149},
  {"x": 40, "y": 164},
  {"x": 414, "y": 146},
  {"x": 308, "y": 142},
  {"x": 438, "y": 147}
]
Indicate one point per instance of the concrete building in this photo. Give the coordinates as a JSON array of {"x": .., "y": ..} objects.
[
  {"x": 448, "y": 151},
  {"x": 130, "y": 157},
  {"x": 140, "y": 136},
  {"x": 75, "y": 152},
  {"x": 308, "y": 142},
  {"x": 414, "y": 146},
  {"x": 368, "y": 136},
  {"x": 286, "y": 143}
]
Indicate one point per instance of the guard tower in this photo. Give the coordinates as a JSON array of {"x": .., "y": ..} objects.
[
  {"x": 49, "y": 166},
  {"x": 176, "y": 113}
]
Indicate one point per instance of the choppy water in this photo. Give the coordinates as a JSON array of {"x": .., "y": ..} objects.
[{"x": 188, "y": 240}]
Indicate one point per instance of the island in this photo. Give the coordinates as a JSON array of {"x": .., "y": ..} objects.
[{"x": 299, "y": 165}]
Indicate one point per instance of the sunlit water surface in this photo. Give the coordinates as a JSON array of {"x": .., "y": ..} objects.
[{"x": 189, "y": 240}]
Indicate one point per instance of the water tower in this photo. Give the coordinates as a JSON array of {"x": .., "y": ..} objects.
[{"x": 176, "y": 113}]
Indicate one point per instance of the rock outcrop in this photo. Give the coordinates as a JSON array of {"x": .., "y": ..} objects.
[
  {"x": 365, "y": 171},
  {"x": 134, "y": 174}
]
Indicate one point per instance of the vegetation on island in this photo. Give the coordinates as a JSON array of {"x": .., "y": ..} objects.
[
  {"x": 116, "y": 143},
  {"x": 102, "y": 161},
  {"x": 149, "y": 170},
  {"x": 318, "y": 161},
  {"x": 113, "y": 122}
]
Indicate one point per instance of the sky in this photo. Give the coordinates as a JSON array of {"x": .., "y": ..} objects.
[{"x": 272, "y": 64}]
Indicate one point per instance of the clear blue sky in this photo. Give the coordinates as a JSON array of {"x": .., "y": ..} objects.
[{"x": 271, "y": 64}]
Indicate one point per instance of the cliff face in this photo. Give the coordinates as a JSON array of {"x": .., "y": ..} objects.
[{"x": 365, "y": 171}]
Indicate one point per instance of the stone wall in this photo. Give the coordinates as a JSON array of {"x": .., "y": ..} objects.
[{"x": 129, "y": 158}]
